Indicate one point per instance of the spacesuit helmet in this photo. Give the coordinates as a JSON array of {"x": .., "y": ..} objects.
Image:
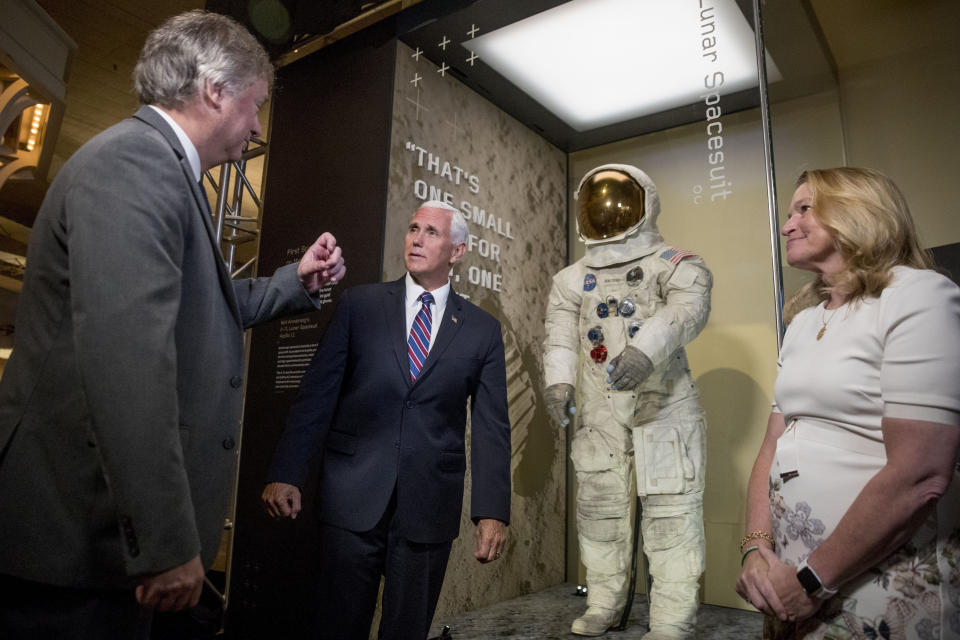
[{"x": 610, "y": 204}]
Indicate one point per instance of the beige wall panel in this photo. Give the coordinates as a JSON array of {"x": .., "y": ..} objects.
[
  {"x": 807, "y": 134},
  {"x": 900, "y": 117},
  {"x": 734, "y": 367},
  {"x": 898, "y": 61}
]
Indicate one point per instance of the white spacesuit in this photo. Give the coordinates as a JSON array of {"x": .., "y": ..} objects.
[{"x": 638, "y": 300}]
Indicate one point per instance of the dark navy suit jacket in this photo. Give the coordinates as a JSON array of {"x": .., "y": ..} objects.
[{"x": 376, "y": 430}]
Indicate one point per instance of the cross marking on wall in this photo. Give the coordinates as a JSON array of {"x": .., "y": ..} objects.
[
  {"x": 454, "y": 126},
  {"x": 417, "y": 103}
]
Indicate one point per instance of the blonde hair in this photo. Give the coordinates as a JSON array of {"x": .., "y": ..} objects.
[{"x": 869, "y": 220}]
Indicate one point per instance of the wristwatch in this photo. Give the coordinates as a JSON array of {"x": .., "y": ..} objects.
[{"x": 812, "y": 584}]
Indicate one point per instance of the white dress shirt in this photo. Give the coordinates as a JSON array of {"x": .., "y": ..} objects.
[
  {"x": 412, "y": 305},
  {"x": 192, "y": 156}
]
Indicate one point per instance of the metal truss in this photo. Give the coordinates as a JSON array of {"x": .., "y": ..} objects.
[{"x": 234, "y": 229}]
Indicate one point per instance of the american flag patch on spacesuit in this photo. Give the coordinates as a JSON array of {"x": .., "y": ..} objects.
[{"x": 675, "y": 255}]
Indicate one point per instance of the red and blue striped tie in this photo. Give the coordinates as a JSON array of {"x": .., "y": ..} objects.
[{"x": 418, "y": 344}]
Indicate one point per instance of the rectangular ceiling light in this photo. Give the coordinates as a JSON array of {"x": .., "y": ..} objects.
[{"x": 598, "y": 62}]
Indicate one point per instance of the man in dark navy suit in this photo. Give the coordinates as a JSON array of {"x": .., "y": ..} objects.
[{"x": 384, "y": 403}]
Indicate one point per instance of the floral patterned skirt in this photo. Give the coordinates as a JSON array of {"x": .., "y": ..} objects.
[{"x": 914, "y": 594}]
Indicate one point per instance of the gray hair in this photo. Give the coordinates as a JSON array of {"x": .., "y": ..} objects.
[
  {"x": 458, "y": 224},
  {"x": 191, "y": 48}
]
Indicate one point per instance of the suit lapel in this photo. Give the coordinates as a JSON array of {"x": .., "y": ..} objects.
[
  {"x": 452, "y": 322},
  {"x": 395, "y": 318},
  {"x": 155, "y": 120}
]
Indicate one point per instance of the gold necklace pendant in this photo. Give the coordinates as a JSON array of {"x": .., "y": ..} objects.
[{"x": 824, "y": 319}]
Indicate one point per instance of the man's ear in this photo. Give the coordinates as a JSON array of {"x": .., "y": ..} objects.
[
  {"x": 458, "y": 251},
  {"x": 213, "y": 94}
]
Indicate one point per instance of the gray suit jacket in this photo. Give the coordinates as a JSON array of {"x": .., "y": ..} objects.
[{"x": 120, "y": 409}]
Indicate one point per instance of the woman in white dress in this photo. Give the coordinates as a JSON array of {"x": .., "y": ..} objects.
[{"x": 853, "y": 523}]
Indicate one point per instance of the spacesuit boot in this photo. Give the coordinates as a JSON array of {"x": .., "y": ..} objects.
[{"x": 595, "y": 622}]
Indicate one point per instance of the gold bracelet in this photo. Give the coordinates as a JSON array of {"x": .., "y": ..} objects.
[{"x": 757, "y": 535}]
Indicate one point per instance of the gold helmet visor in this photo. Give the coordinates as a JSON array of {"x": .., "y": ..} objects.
[{"x": 609, "y": 205}]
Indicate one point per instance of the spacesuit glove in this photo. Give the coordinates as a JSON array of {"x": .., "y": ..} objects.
[
  {"x": 629, "y": 369},
  {"x": 560, "y": 402}
]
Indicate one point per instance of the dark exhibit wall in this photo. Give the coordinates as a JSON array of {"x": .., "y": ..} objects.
[
  {"x": 947, "y": 258},
  {"x": 327, "y": 171},
  {"x": 449, "y": 143}
]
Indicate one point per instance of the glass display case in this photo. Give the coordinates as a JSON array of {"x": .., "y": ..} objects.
[{"x": 500, "y": 107}]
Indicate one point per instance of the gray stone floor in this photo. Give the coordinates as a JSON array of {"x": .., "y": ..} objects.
[{"x": 547, "y": 616}]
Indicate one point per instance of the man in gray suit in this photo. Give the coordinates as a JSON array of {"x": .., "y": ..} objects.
[{"x": 120, "y": 408}]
